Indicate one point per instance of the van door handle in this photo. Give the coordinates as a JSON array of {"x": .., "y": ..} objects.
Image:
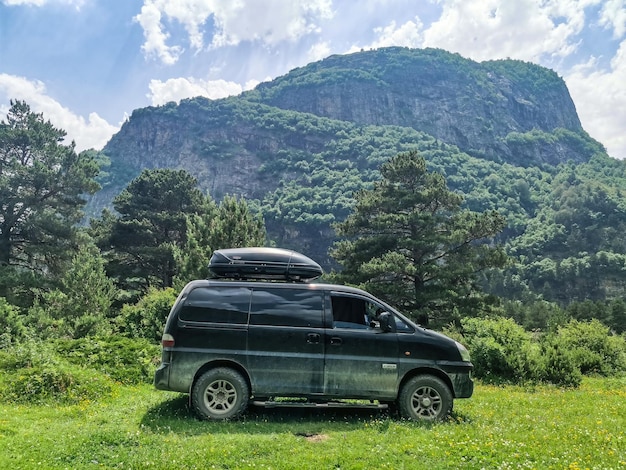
[
  {"x": 335, "y": 341},
  {"x": 313, "y": 338}
]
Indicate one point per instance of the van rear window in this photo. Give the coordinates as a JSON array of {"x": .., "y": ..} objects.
[{"x": 217, "y": 305}]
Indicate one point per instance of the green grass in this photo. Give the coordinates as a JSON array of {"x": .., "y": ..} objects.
[{"x": 500, "y": 427}]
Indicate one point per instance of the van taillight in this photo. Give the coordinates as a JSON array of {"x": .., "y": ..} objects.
[{"x": 167, "y": 341}]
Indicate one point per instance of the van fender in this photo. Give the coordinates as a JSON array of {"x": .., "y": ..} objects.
[{"x": 427, "y": 371}]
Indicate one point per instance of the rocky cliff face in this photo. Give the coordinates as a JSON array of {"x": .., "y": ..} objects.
[
  {"x": 461, "y": 102},
  {"x": 224, "y": 144},
  {"x": 205, "y": 140}
]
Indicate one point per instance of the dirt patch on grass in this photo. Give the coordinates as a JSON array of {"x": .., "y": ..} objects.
[{"x": 313, "y": 437}]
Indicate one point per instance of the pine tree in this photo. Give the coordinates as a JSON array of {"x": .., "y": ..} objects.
[
  {"x": 43, "y": 183},
  {"x": 81, "y": 306},
  {"x": 139, "y": 243},
  {"x": 229, "y": 225},
  {"x": 410, "y": 242},
  {"x": 236, "y": 226},
  {"x": 192, "y": 259}
]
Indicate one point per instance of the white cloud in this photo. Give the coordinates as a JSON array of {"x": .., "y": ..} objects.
[
  {"x": 91, "y": 133},
  {"x": 319, "y": 51},
  {"x": 269, "y": 22},
  {"x": 176, "y": 89},
  {"x": 250, "y": 84},
  {"x": 600, "y": 97},
  {"x": 36, "y": 3},
  {"x": 155, "y": 38},
  {"x": 408, "y": 34},
  {"x": 520, "y": 29},
  {"x": 613, "y": 15}
]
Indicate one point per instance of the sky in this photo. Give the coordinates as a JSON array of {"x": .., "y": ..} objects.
[{"x": 87, "y": 64}]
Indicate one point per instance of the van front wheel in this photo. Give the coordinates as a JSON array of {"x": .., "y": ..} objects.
[
  {"x": 425, "y": 397},
  {"x": 220, "y": 394}
]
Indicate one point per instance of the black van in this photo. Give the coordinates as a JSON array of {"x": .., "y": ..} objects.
[{"x": 229, "y": 343}]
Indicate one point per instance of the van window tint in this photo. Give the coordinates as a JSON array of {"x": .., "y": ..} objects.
[
  {"x": 217, "y": 305},
  {"x": 286, "y": 307},
  {"x": 355, "y": 312},
  {"x": 349, "y": 312}
]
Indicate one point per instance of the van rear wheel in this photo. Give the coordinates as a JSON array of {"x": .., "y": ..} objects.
[
  {"x": 220, "y": 394},
  {"x": 425, "y": 397}
]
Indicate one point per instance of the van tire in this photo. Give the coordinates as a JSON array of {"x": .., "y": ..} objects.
[
  {"x": 425, "y": 398},
  {"x": 220, "y": 394}
]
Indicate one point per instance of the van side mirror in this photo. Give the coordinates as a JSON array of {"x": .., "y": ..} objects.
[{"x": 386, "y": 322}]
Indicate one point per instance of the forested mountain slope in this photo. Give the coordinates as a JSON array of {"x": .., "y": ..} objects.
[
  {"x": 503, "y": 133},
  {"x": 482, "y": 108}
]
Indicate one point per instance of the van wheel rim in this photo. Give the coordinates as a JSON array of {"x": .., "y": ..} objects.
[
  {"x": 426, "y": 402},
  {"x": 220, "y": 396}
]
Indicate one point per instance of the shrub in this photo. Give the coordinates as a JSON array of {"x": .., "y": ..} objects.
[
  {"x": 32, "y": 373},
  {"x": 25, "y": 355},
  {"x": 74, "y": 370},
  {"x": 58, "y": 383},
  {"x": 146, "y": 318},
  {"x": 558, "y": 365},
  {"x": 594, "y": 349},
  {"x": 125, "y": 360},
  {"x": 81, "y": 307},
  {"x": 500, "y": 349},
  {"x": 12, "y": 329},
  {"x": 54, "y": 315}
]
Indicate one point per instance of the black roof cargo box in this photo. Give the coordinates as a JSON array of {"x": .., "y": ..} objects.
[{"x": 263, "y": 263}]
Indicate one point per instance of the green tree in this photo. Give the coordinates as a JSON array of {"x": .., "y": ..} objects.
[
  {"x": 81, "y": 306},
  {"x": 573, "y": 250},
  {"x": 42, "y": 188},
  {"x": 618, "y": 315},
  {"x": 236, "y": 226},
  {"x": 146, "y": 319},
  {"x": 139, "y": 243},
  {"x": 229, "y": 225},
  {"x": 192, "y": 259},
  {"x": 12, "y": 328},
  {"x": 409, "y": 241}
]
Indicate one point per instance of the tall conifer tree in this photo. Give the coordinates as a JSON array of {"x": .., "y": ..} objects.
[
  {"x": 43, "y": 183},
  {"x": 409, "y": 241}
]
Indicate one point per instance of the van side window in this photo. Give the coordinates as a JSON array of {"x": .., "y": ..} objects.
[
  {"x": 402, "y": 327},
  {"x": 349, "y": 312},
  {"x": 355, "y": 312},
  {"x": 286, "y": 307},
  {"x": 217, "y": 305}
]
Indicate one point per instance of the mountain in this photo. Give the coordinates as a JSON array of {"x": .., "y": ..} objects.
[
  {"x": 479, "y": 107},
  {"x": 503, "y": 133},
  {"x": 505, "y": 111}
]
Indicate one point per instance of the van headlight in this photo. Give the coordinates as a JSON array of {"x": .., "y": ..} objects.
[{"x": 465, "y": 355}]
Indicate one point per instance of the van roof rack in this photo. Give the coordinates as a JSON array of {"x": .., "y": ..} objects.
[{"x": 263, "y": 263}]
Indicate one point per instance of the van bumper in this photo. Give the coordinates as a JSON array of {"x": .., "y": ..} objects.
[{"x": 162, "y": 377}]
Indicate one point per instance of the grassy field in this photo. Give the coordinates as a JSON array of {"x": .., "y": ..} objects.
[{"x": 499, "y": 428}]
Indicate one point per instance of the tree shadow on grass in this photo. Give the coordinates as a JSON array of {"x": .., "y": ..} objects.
[{"x": 174, "y": 415}]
